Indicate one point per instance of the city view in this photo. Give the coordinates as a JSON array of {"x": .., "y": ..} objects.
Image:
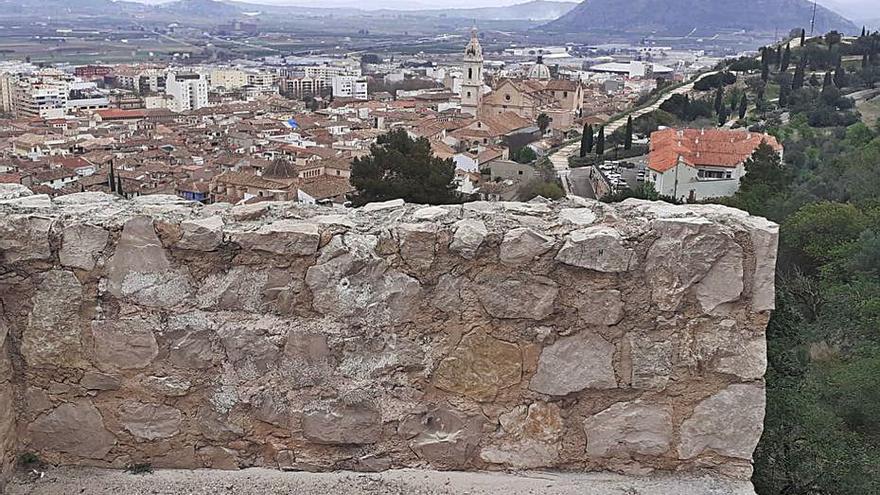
[{"x": 487, "y": 247}]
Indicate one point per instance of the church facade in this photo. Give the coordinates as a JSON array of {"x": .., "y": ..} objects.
[{"x": 562, "y": 100}]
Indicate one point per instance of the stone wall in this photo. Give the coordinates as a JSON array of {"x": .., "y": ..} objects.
[
  {"x": 7, "y": 411},
  {"x": 572, "y": 335}
]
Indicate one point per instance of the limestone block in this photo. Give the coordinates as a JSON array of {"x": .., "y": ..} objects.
[
  {"x": 598, "y": 248},
  {"x": 573, "y": 364},
  {"x": 765, "y": 240},
  {"x": 601, "y": 307},
  {"x": 92, "y": 380},
  {"x": 343, "y": 425},
  {"x": 52, "y": 336},
  {"x": 651, "y": 362},
  {"x": 150, "y": 421},
  {"x": 196, "y": 350},
  {"x": 479, "y": 367},
  {"x": 204, "y": 234},
  {"x": 124, "y": 344},
  {"x": 518, "y": 296},
  {"x": 246, "y": 213},
  {"x": 468, "y": 237},
  {"x": 446, "y": 438},
  {"x": 522, "y": 245},
  {"x": 383, "y": 205},
  {"x": 529, "y": 437},
  {"x": 75, "y": 428},
  {"x": 80, "y": 245},
  {"x": 629, "y": 428},
  {"x": 24, "y": 238},
  {"x": 140, "y": 270},
  {"x": 728, "y": 423},
  {"x": 418, "y": 244},
  {"x": 281, "y": 237},
  {"x": 724, "y": 281}
]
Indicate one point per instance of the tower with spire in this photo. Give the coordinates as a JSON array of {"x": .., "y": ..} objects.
[{"x": 472, "y": 83}]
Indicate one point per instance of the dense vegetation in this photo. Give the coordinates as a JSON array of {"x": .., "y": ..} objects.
[
  {"x": 822, "y": 429},
  {"x": 401, "y": 167}
]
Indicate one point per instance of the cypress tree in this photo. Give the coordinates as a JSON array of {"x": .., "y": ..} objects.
[
  {"x": 119, "y": 186},
  {"x": 827, "y": 82},
  {"x": 743, "y": 106},
  {"x": 864, "y": 32},
  {"x": 778, "y": 58},
  {"x": 784, "y": 91},
  {"x": 865, "y": 61},
  {"x": 590, "y": 138},
  {"x": 719, "y": 100},
  {"x": 722, "y": 117},
  {"x": 760, "y": 95},
  {"x": 112, "y": 179},
  {"x": 600, "y": 141},
  {"x": 786, "y": 58},
  {"x": 803, "y": 37},
  {"x": 798, "y": 81},
  {"x": 765, "y": 72},
  {"x": 840, "y": 76},
  {"x": 583, "y": 150},
  {"x": 628, "y": 140}
]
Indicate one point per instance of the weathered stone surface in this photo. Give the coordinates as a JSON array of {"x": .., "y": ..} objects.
[
  {"x": 529, "y": 437},
  {"x": 685, "y": 252},
  {"x": 468, "y": 237},
  {"x": 245, "y": 213},
  {"x": 343, "y": 425},
  {"x": 24, "y": 238},
  {"x": 53, "y": 333},
  {"x": 598, "y": 248},
  {"x": 575, "y": 363},
  {"x": 479, "y": 367},
  {"x": 724, "y": 282},
  {"x": 418, "y": 244},
  {"x": 601, "y": 307},
  {"x": 445, "y": 437},
  {"x": 414, "y": 336},
  {"x": 81, "y": 243},
  {"x": 73, "y": 428},
  {"x": 124, "y": 344},
  {"x": 13, "y": 191},
  {"x": 92, "y": 380},
  {"x": 139, "y": 268},
  {"x": 518, "y": 296},
  {"x": 383, "y": 205},
  {"x": 728, "y": 423},
  {"x": 651, "y": 362},
  {"x": 150, "y": 421},
  {"x": 281, "y": 237},
  {"x": 350, "y": 280},
  {"x": 577, "y": 216},
  {"x": 204, "y": 234},
  {"x": 521, "y": 246},
  {"x": 629, "y": 428},
  {"x": 765, "y": 240}
]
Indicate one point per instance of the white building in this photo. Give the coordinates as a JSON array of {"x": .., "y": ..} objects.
[
  {"x": 350, "y": 87},
  {"x": 228, "y": 78},
  {"x": 187, "y": 91}
]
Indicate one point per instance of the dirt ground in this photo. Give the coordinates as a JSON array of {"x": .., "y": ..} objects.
[{"x": 89, "y": 481}]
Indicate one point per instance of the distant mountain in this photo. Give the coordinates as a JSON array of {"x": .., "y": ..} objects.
[
  {"x": 681, "y": 17},
  {"x": 203, "y": 8},
  {"x": 538, "y": 10}
]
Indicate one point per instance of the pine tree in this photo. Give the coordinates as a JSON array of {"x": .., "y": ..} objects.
[
  {"x": 628, "y": 139},
  {"x": 600, "y": 141},
  {"x": 786, "y": 58},
  {"x": 743, "y": 106}
]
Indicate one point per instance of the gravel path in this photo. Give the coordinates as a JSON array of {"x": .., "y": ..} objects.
[{"x": 89, "y": 481}]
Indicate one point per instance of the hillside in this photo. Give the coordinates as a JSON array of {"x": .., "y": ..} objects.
[{"x": 702, "y": 17}]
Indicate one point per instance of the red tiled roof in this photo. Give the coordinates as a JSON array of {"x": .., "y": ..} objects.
[{"x": 710, "y": 147}]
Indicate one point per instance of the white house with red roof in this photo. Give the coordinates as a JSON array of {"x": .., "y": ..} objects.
[{"x": 694, "y": 164}]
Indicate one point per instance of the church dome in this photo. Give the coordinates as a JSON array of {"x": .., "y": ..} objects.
[
  {"x": 281, "y": 169},
  {"x": 539, "y": 70}
]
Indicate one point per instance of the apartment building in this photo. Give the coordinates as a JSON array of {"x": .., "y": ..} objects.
[
  {"x": 350, "y": 87},
  {"x": 188, "y": 91}
]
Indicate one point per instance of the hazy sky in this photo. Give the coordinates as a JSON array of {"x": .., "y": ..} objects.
[{"x": 851, "y": 8}]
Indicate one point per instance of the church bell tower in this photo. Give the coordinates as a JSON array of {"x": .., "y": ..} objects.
[{"x": 472, "y": 83}]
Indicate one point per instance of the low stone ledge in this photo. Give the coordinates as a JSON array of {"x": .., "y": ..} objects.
[{"x": 573, "y": 335}]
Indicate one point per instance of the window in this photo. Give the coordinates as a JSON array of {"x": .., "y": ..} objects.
[
  {"x": 468, "y": 94},
  {"x": 714, "y": 174},
  {"x": 520, "y": 172},
  {"x": 507, "y": 97},
  {"x": 470, "y": 74},
  {"x": 565, "y": 94}
]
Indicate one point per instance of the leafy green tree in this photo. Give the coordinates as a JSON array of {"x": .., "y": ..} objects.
[
  {"x": 628, "y": 139},
  {"x": 543, "y": 122},
  {"x": 600, "y": 141},
  {"x": 524, "y": 155},
  {"x": 816, "y": 232},
  {"x": 401, "y": 167},
  {"x": 542, "y": 188}
]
